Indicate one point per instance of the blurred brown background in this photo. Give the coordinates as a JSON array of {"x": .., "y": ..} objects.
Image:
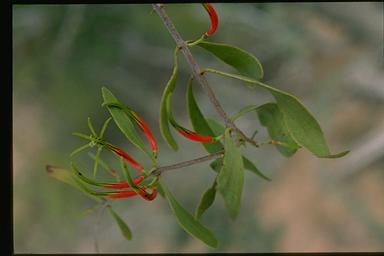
[{"x": 328, "y": 54}]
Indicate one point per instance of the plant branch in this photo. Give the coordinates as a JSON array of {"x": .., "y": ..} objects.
[
  {"x": 196, "y": 71},
  {"x": 166, "y": 168}
]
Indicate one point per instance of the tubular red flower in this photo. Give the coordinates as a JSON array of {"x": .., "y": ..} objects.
[
  {"x": 147, "y": 196},
  {"x": 122, "y": 194},
  {"x": 214, "y": 19},
  {"x": 148, "y": 133},
  {"x": 123, "y": 184},
  {"x": 123, "y": 154},
  {"x": 194, "y": 136}
]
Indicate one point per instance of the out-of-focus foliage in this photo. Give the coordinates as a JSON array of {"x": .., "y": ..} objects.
[{"x": 328, "y": 54}]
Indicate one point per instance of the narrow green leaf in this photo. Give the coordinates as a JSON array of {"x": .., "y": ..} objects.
[
  {"x": 164, "y": 118},
  {"x": 67, "y": 177},
  {"x": 91, "y": 128},
  {"x": 123, "y": 121},
  {"x": 61, "y": 174},
  {"x": 188, "y": 222},
  {"x": 122, "y": 225},
  {"x": 127, "y": 174},
  {"x": 199, "y": 122},
  {"x": 104, "y": 165},
  {"x": 271, "y": 117},
  {"x": 244, "y": 62},
  {"x": 206, "y": 201},
  {"x": 104, "y": 127},
  {"x": 244, "y": 111},
  {"x": 248, "y": 165},
  {"x": 231, "y": 177},
  {"x": 301, "y": 124},
  {"x": 78, "y": 150},
  {"x": 96, "y": 163}
]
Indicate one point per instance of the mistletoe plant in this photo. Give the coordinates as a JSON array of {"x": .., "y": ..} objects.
[{"x": 290, "y": 126}]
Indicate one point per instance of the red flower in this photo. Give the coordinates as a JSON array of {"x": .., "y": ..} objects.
[
  {"x": 146, "y": 131},
  {"x": 214, "y": 19},
  {"x": 129, "y": 193},
  {"x": 123, "y": 154},
  {"x": 194, "y": 136},
  {"x": 123, "y": 184}
]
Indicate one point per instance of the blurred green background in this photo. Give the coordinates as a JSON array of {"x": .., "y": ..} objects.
[{"x": 330, "y": 55}]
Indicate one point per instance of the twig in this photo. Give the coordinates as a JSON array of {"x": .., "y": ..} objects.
[
  {"x": 166, "y": 168},
  {"x": 197, "y": 72}
]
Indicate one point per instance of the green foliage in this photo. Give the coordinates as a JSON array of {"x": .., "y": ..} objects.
[
  {"x": 271, "y": 117},
  {"x": 123, "y": 121},
  {"x": 164, "y": 118},
  {"x": 188, "y": 222},
  {"x": 231, "y": 176},
  {"x": 244, "y": 62},
  {"x": 290, "y": 126},
  {"x": 120, "y": 222},
  {"x": 206, "y": 200}
]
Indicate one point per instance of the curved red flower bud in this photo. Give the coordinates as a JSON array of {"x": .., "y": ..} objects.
[
  {"x": 147, "y": 196},
  {"x": 194, "y": 136},
  {"x": 214, "y": 19},
  {"x": 122, "y": 194},
  {"x": 148, "y": 133},
  {"x": 123, "y": 184},
  {"x": 123, "y": 154}
]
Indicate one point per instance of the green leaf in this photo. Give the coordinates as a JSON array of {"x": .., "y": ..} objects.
[
  {"x": 164, "y": 118},
  {"x": 122, "y": 225},
  {"x": 248, "y": 165},
  {"x": 244, "y": 111},
  {"x": 188, "y": 222},
  {"x": 271, "y": 117},
  {"x": 61, "y": 174},
  {"x": 199, "y": 122},
  {"x": 123, "y": 122},
  {"x": 127, "y": 174},
  {"x": 244, "y": 62},
  {"x": 216, "y": 165},
  {"x": 216, "y": 127},
  {"x": 231, "y": 177},
  {"x": 301, "y": 124},
  {"x": 206, "y": 201},
  {"x": 67, "y": 177},
  {"x": 78, "y": 150},
  {"x": 91, "y": 128}
]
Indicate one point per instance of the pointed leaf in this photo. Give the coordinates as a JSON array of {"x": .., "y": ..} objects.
[
  {"x": 188, "y": 222},
  {"x": 244, "y": 111},
  {"x": 67, "y": 177},
  {"x": 231, "y": 177},
  {"x": 302, "y": 126},
  {"x": 248, "y": 165},
  {"x": 164, "y": 118},
  {"x": 271, "y": 117},
  {"x": 244, "y": 62},
  {"x": 199, "y": 123},
  {"x": 122, "y": 225},
  {"x": 123, "y": 121},
  {"x": 206, "y": 201}
]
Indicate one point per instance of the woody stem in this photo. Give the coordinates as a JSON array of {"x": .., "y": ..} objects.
[
  {"x": 197, "y": 72},
  {"x": 166, "y": 168}
]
